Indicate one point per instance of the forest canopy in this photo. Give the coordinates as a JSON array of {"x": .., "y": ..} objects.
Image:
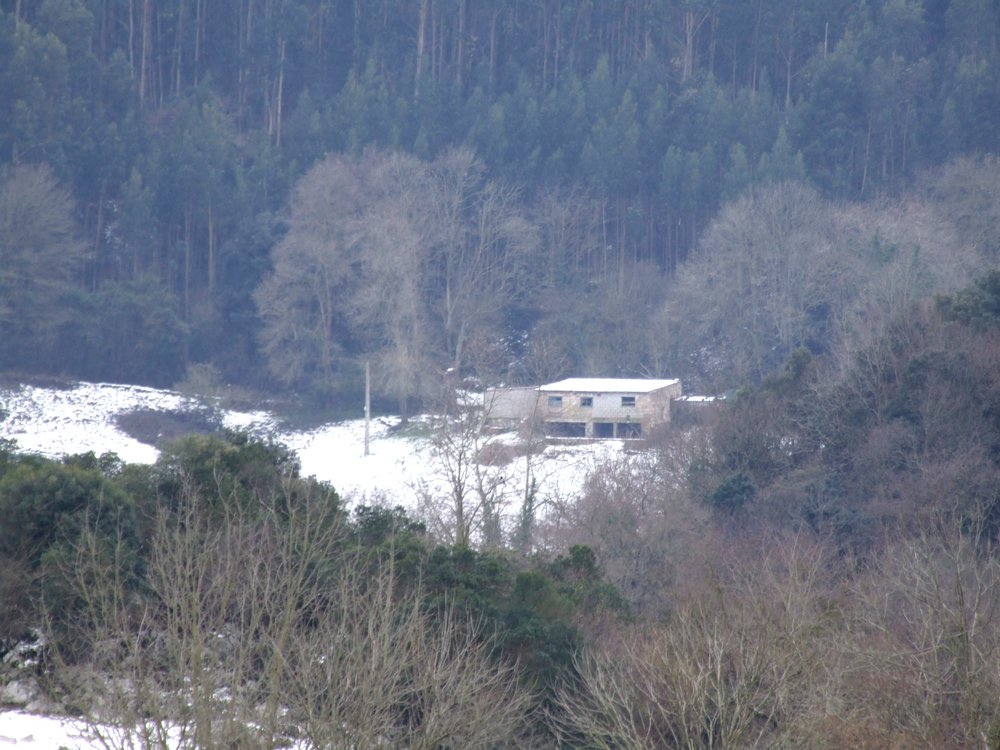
[{"x": 186, "y": 133}]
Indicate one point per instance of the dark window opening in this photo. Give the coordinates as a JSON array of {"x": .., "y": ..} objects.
[
  {"x": 566, "y": 429},
  {"x": 628, "y": 400},
  {"x": 629, "y": 430},
  {"x": 586, "y": 400},
  {"x": 555, "y": 402},
  {"x": 604, "y": 430}
]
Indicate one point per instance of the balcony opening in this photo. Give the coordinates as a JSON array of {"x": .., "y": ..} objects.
[
  {"x": 566, "y": 429},
  {"x": 629, "y": 430},
  {"x": 604, "y": 430}
]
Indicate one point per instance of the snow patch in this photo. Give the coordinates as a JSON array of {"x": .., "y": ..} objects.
[
  {"x": 84, "y": 417},
  {"x": 24, "y": 730}
]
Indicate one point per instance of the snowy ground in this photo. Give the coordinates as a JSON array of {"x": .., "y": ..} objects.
[
  {"x": 55, "y": 422},
  {"x": 23, "y": 730}
]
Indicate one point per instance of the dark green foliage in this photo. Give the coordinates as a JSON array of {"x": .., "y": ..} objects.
[
  {"x": 180, "y": 145},
  {"x": 382, "y": 536},
  {"x": 49, "y": 508},
  {"x": 539, "y": 630},
  {"x": 535, "y": 612},
  {"x": 375, "y": 525},
  {"x": 128, "y": 331},
  {"x": 230, "y": 467},
  {"x": 45, "y": 503},
  {"x": 735, "y": 491},
  {"x": 978, "y": 305},
  {"x": 40, "y": 256},
  {"x": 8, "y": 449},
  {"x": 109, "y": 464},
  {"x": 907, "y": 431},
  {"x": 17, "y": 592},
  {"x": 547, "y": 607},
  {"x": 468, "y": 578}
]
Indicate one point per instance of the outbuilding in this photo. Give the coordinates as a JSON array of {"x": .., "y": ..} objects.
[
  {"x": 624, "y": 408},
  {"x": 616, "y": 408}
]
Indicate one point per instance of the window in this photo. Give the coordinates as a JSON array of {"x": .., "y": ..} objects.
[
  {"x": 586, "y": 400},
  {"x": 628, "y": 400},
  {"x": 555, "y": 402},
  {"x": 629, "y": 430},
  {"x": 566, "y": 429},
  {"x": 604, "y": 429}
]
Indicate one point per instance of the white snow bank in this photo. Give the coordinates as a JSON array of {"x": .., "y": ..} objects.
[
  {"x": 24, "y": 731},
  {"x": 55, "y": 422}
]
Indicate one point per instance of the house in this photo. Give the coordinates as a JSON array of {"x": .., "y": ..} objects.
[
  {"x": 623, "y": 408},
  {"x": 605, "y": 407}
]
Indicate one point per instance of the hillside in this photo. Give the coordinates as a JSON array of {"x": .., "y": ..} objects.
[
  {"x": 835, "y": 521},
  {"x": 504, "y": 176}
]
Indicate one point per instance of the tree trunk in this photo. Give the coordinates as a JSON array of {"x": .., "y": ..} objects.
[
  {"x": 188, "y": 227},
  {"x": 756, "y": 48},
  {"x": 179, "y": 48},
  {"x": 131, "y": 39},
  {"x": 198, "y": 36},
  {"x": 421, "y": 40},
  {"x": 281, "y": 94},
  {"x": 460, "y": 45},
  {"x": 95, "y": 280},
  {"x": 145, "y": 50},
  {"x": 211, "y": 248},
  {"x": 687, "y": 66}
]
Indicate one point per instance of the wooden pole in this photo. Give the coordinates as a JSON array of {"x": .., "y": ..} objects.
[{"x": 368, "y": 400}]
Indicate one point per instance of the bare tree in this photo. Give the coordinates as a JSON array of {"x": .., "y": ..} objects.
[
  {"x": 410, "y": 262},
  {"x": 737, "y": 664},
  {"x": 480, "y": 244},
  {"x": 41, "y": 256},
  {"x": 389, "y": 298},
  {"x": 765, "y": 279},
  {"x": 469, "y": 501},
  {"x": 201, "y": 656},
  {"x": 570, "y": 233},
  {"x": 926, "y": 643},
  {"x": 966, "y": 191},
  {"x": 780, "y": 268},
  {"x": 302, "y": 302},
  {"x": 637, "y": 516},
  {"x": 256, "y": 629},
  {"x": 703, "y": 681},
  {"x": 382, "y": 672}
]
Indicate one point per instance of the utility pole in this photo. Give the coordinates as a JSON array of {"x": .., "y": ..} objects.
[{"x": 368, "y": 400}]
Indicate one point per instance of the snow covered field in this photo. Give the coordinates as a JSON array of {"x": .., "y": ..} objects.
[
  {"x": 55, "y": 422},
  {"x": 23, "y": 730},
  {"x": 59, "y": 421}
]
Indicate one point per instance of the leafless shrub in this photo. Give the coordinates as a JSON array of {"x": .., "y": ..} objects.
[
  {"x": 925, "y": 645},
  {"x": 257, "y": 629}
]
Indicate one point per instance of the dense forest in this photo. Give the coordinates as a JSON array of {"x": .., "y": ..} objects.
[{"x": 161, "y": 160}]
